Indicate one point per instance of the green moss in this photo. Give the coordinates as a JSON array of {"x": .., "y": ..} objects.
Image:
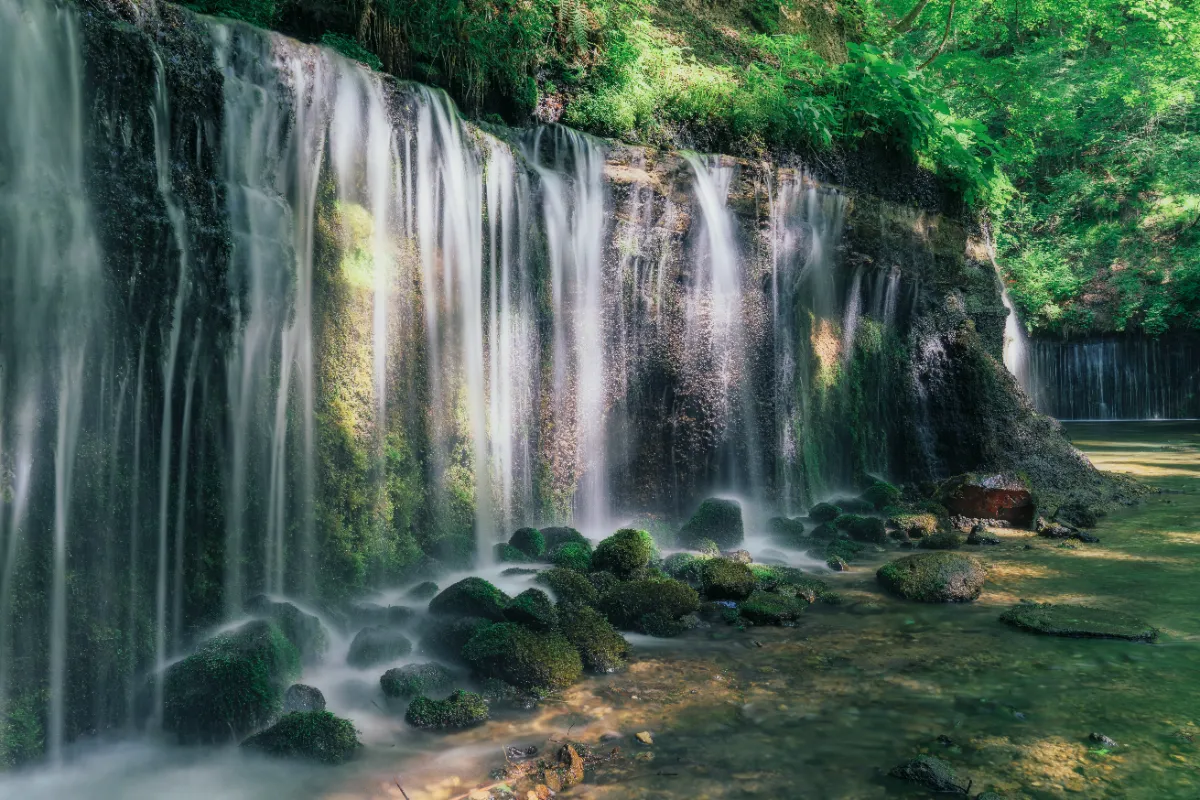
[
  {"x": 768, "y": 608},
  {"x": 459, "y": 710},
  {"x": 786, "y": 532},
  {"x": 685, "y": 567},
  {"x": 934, "y": 577},
  {"x": 312, "y": 735},
  {"x": 942, "y": 540},
  {"x": 625, "y": 554},
  {"x": 844, "y": 522},
  {"x": 600, "y": 646},
  {"x": 868, "y": 529},
  {"x": 706, "y": 547},
  {"x": 824, "y": 532},
  {"x": 445, "y": 637},
  {"x": 572, "y": 555},
  {"x": 845, "y": 549},
  {"x": 533, "y": 609},
  {"x": 716, "y": 519},
  {"x": 530, "y": 661},
  {"x": 824, "y": 512},
  {"x": 22, "y": 737},
  {"x": 558, "y": 536},
  {"x": 351, "y": 49},
  {"x": 629, "y": 605},
  {"x": 570, "y": 587},
  {"x": 880, "y": 495},
  {"x": 377, "y": 645},
  {"x": 507, "y": 554},
  {"x": 422, "y": 591},
  {"x": 915, "y": 525},
  {"x": 414, "y": 679},
  {"x": 303, "y": 630},
  {"x": 723, "y": 579},
  {"x": 1057, "y": 619},
  {"x": 470, "y": 597},
  {"x": 232, "y": 685},
  {"x": 529, "y": 541},
  {"x": 603, "y": 582}
]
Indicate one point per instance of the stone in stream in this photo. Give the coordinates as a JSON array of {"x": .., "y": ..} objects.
[
  {"x": 880, "y": 495},
  {"x": 941, "y": 577},
  {"x": 1103, "y": 741},
  {"x": 300, "y": 697},
  {"x": 600, "y": 646},
  {"x": 655, "y": 606},
  {"x": 444, "y": 637},
  {"x": 979, "y": 535},
  {"x": 942, "y": 540},
  {"x": 533, "y": 662},
  {"x": 768, "y": 608},
  {"x": 470, "y": 597},
  {"x": 998, "y": 496},
  {"x": 1053, "y": 530},
  {"x": 377, "y": 645},
  {"x": 929, "y": 772},
  {"x": 414, "y": 679},
  {"x": 303, "y": 630},
  {"x": 310, "y": 735},
  {"x": 868, "y": 529},
  {"x": 566, "y": 773},
  {"x": 626, "y": 554},
  {"x": 716, "y": 519},
  {"x": 569, "y": 587},
  {"x": 460, "y": 710},
  {"x": 558, "y": 536},
  {"x": 724, "y": 579},
  {"x": 533, "y": 609},
  {"x": 824, "y": 512},
  {"x": 786, "y": 532},
  {"x": 1075, "y": 621}
]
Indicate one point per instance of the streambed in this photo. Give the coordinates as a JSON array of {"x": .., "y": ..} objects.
[{"x": 824, "y": 709}]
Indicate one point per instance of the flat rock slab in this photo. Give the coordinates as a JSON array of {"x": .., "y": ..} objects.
[{"x": 1078, "y": 622}]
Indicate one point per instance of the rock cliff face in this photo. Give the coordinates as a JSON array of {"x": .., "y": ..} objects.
[{"x": 333, "y": 331}]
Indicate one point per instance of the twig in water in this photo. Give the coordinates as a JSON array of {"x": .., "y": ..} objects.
[{"x": 396, "y": 780}]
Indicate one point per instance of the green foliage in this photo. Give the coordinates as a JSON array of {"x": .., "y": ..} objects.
[
  {"x": 264, "y": 13},
  {"x": 312, "y": 735},
  {"x": 351, "y": 49},
  {"x": 459, "y": 710},
  {"x": 22, "y": 736}
]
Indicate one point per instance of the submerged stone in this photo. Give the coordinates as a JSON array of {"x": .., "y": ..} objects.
[
  {"x": 300, "y": 697},
  {"x": 724, "y": 579},
  {"x": 232, "y": 685},
  {"x": 1056, "y": 619},
  {"x": 625, "y": 554},
  {"x": 311, "y": 735},
  {"x": 303, "y": 630},
  {"x": 460, "y": 710},
  {"x": 470, "y": 597},
  {"x": 715, "y": 519},
  {"x": 533, "y": 609},
  {"x": 934, "y": 577},
  {"x": 600, "y": 646},
  {"x": 377, "y": 645},
  {"x": 1002, "y": 497},
  {"x": 530, "y": 661},
  {"x": 929, "y": 772},
  {"x": 414, "y": 679}
]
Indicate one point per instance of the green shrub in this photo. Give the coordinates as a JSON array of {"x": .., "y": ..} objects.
[
  {"x": 351, "y": 49},
  {"x": 312, "y": 735}
]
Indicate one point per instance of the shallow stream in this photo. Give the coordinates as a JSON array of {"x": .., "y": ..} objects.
[{"x": 824, "y": 709}]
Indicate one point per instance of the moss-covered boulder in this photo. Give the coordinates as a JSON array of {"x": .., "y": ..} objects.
[
  {"x": 300, "y": 697},
  {"x": 459, "y": 710},
  {"x": 625, "y": 554},
  {"x": 533, "y": 609},
  {"x": 685, "y": 567},
  {"x": 931, "y": 773},
  {"x": 786, "y": 532},
  {"x": 880, "y": 495},
  {"x": 470, "y": 597},
  {"x": 846, "y": 521},
  {"x": 1081, "y": 622},
  {"x": 303, "y": 630},
  {"x": 768, "y": 608},
  {"x": 942, "y": 540},
  {"x": 377, "y": 645},
  {"x": 529, "y": 541},
  {"x": 644, "y": 605},
  {"x": 310, "y": 735},
  {"x": 840, "y": 547},
  {"x": 934, "y": 577},
  {"x": 868, "y": 529},
  {"x": 569, "y": 586},
  {"x": 724, "y": 579},
  {"x": 824, "y": 532},
  {"x": 445, "y": 637},
  {"x": 425, "y": 590},
  {"x": 600, "y": 646},
  {"x": 852, "y": 505},
  {"x": 362, "y": 613},
  {"x": 788, "y": 581},
  {"x": 414, "y": 679},
  {"x": 534, "y": 662},
  {"x": 505, "y": 553},
  {"x": 558, "y": 536},
  {"x": 572, "y": 555},
  {"x": 715, "y": 519},
  {"x": 603, "y": 581},
  {"x": 824, "y": 512},
  {"x": 231, "y": 686}
]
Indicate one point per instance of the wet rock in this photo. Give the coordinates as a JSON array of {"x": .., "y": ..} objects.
[
  {"x": 644, "y": 738},
  {"x": 308, "y": 735},
  {"x": 915, "y": 525},
  {"x": 1078, "y": 622},
  {"x": 460, "y": 710},
  {"x": 740, "y": 556},
  {"x": 768, "y": 608},
  {"x": 425, "y": 590},
  {"x": 942, "y": 540},
  {"x": 626, "y": 553},
  {"x": 723, "y": 579},
  {"x": 824, "y": 532},
  {"x": 568, "y": 772},
  {"x": 600, "y": 646},
  {"x": 837, "y": 564},
  {"x": 414, "y": 679},
  {"x": 533, "y": 662},
  {"x": 470, "y": 597},
  {"x": 715, "y": 519},
  {"x": 1053, "y": 530},
  {"x": 569, "y": 586},
  {"x": 868, "y": 529},
  {"x": 505, "y": 553},
  {"x": 533, "y": 609},
  {"x": 529, "y": 541},
  {"x": 1103, "y": 741},
  {"x": 843, "y": 522},
  {"x": 232, "y": 685},
  {"x": 929, "y": 772},
  {"x": 303, "y": 630},
  {"x": 1002, "y": 497},
  {"x": 1085, "y": 537},
  {"x": 300, "y": 697},
  {"x": 934, "y": 577},
  {"x": 377, "y": 645},
  {"x": 979, "y": 536},
  {"x": 649, "y": 606},
  {"x": 853, "y": 505}
]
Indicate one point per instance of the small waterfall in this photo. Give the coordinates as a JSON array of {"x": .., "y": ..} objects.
[{"x": 1016, "y": 345}]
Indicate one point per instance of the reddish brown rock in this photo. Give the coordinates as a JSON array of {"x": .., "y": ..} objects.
[{"x": 1001, "y": 497}]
